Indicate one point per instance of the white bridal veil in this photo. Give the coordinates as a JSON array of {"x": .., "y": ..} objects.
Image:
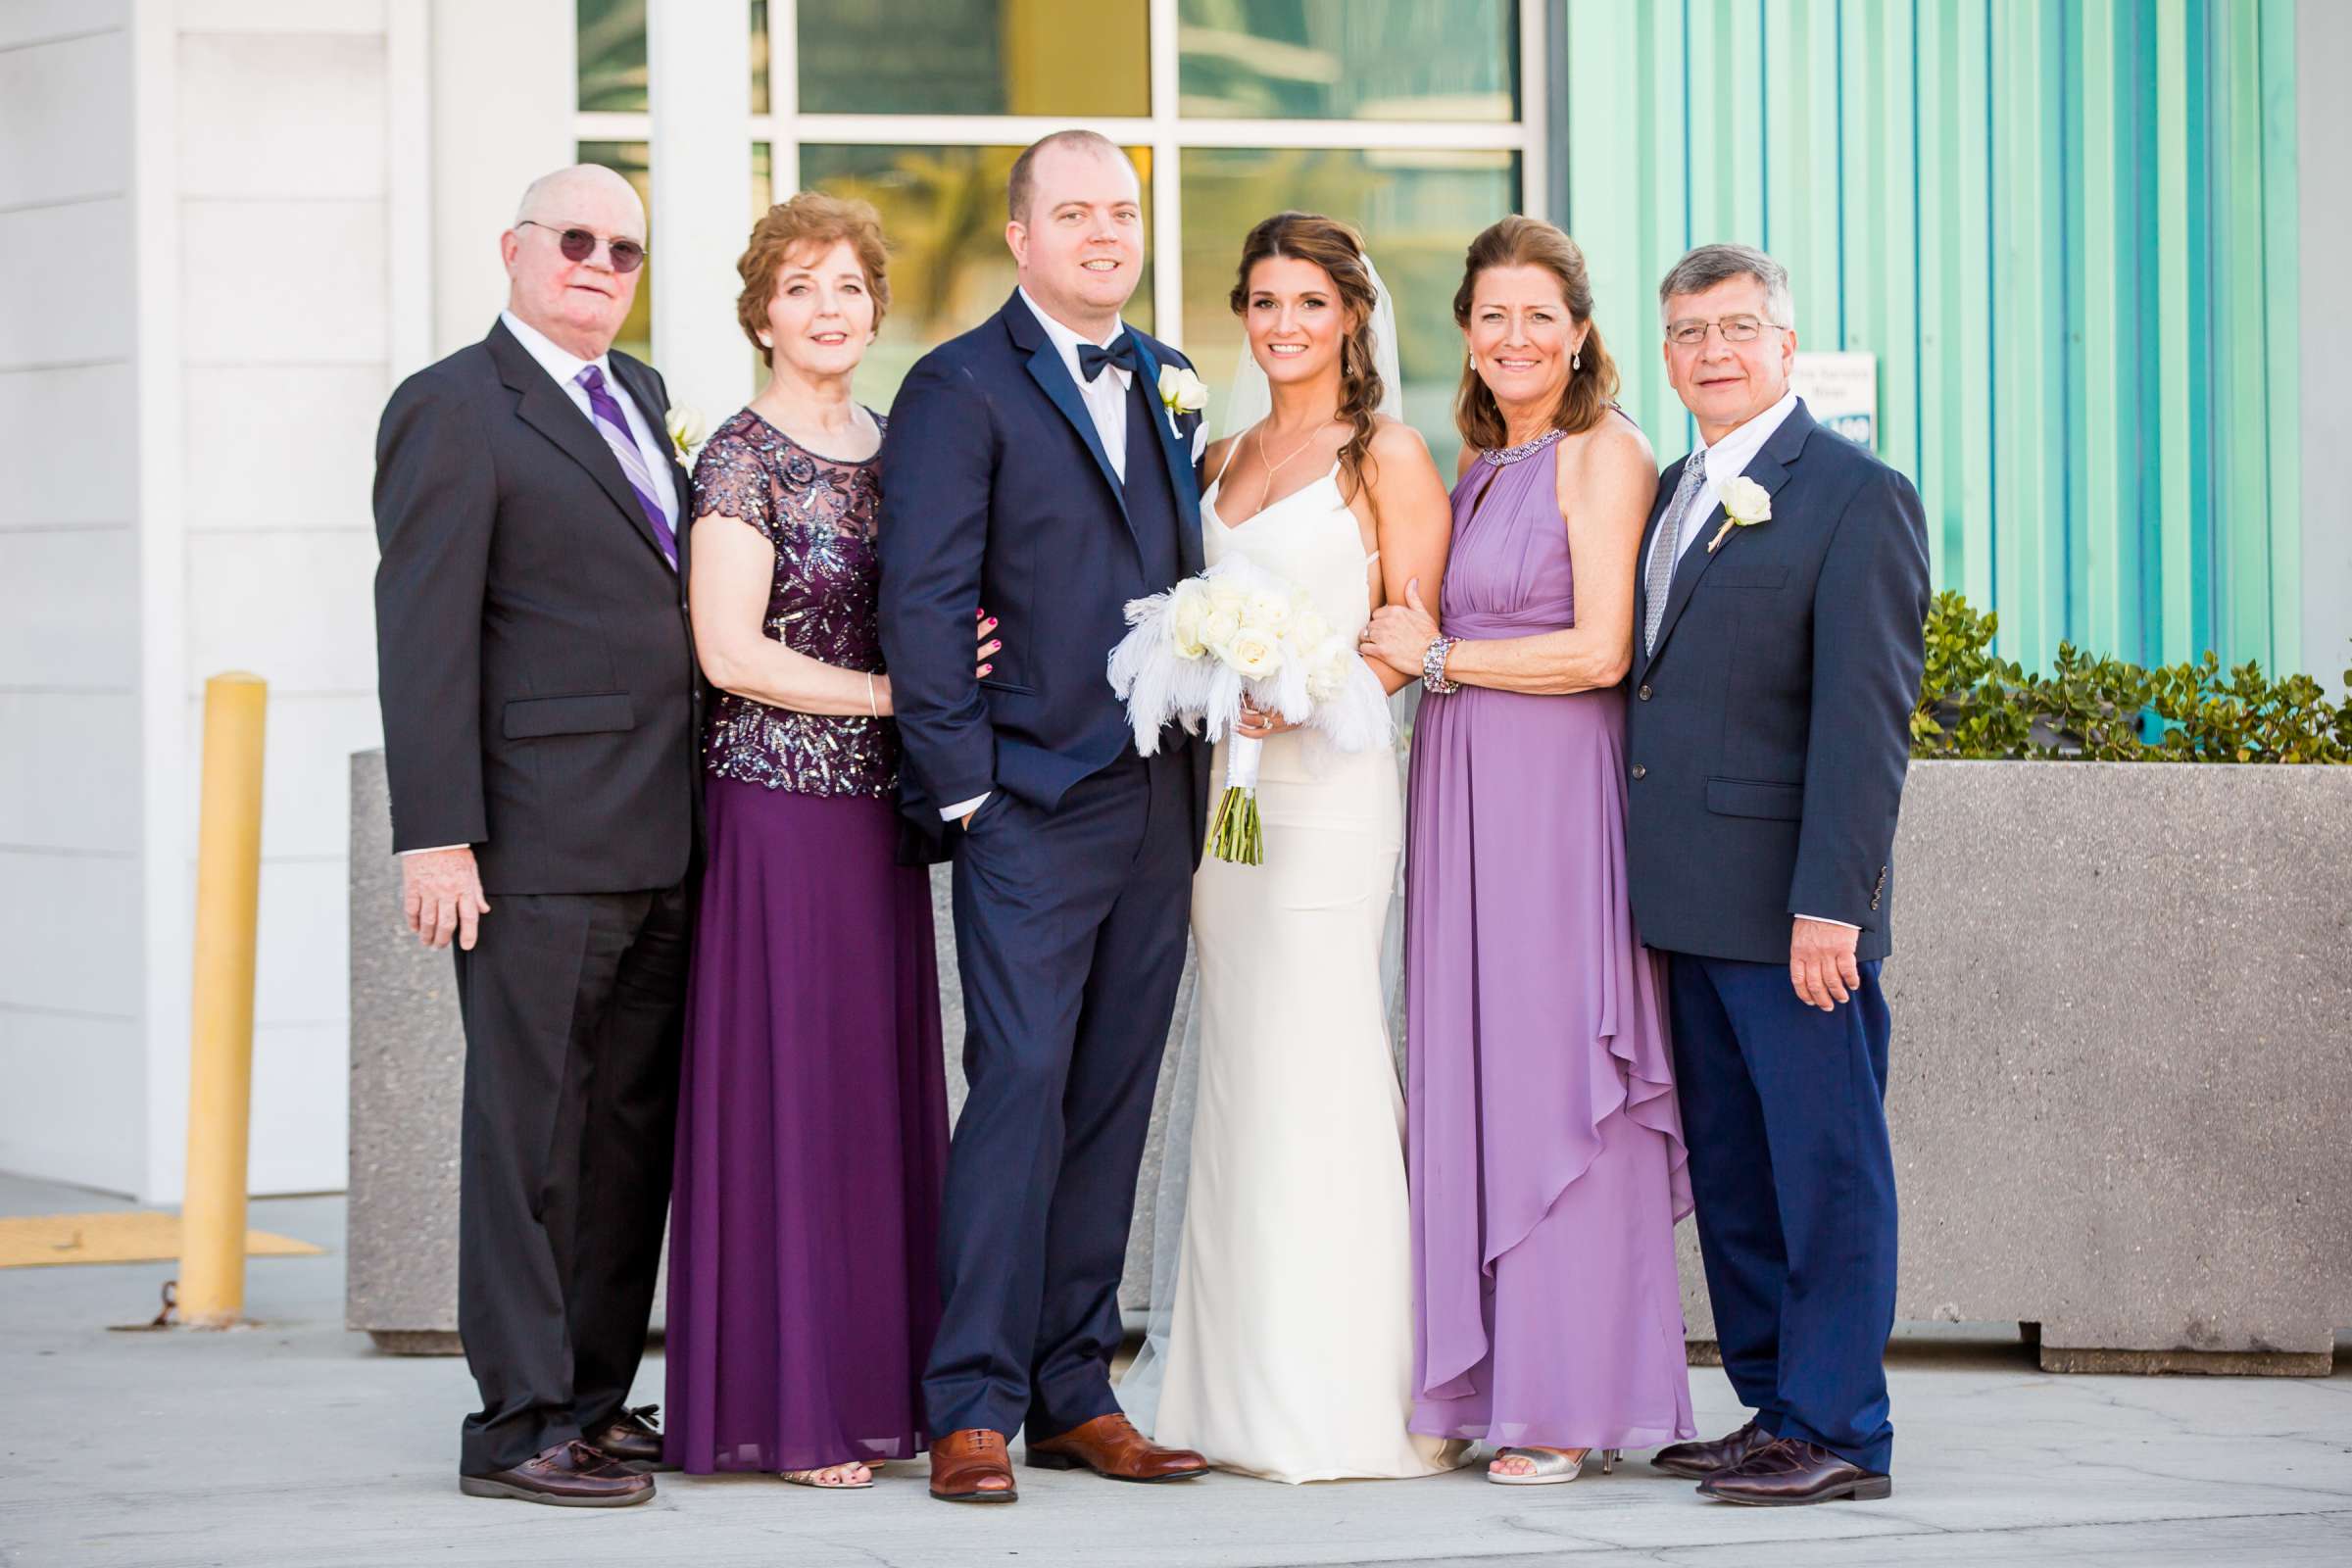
[{"x": 1250, "y": 401}]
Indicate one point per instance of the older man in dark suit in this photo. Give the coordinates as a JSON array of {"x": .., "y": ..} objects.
[
  {"x": 541, "y": 713},
  {"x": 1784, "y": 589}
]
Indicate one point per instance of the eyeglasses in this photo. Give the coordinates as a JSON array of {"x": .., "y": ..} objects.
[
  {"x": 578, "y": 244},
  {"x": 1734, "y": 329}
]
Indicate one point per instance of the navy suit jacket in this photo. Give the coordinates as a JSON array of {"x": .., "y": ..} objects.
[
  {"x": 997, "y": 493},
  {"x": 1769, "y": 728}
]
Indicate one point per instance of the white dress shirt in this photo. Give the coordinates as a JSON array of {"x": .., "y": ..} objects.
[
  {"x": 564, "y": 368},
  {"x": 653, "y": 437},
  {"x": 1727, "y": 458},
  {"x": 1106, "y": 396}
]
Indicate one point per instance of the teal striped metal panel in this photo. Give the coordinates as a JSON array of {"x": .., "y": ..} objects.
[{"x": 2066, "y": 229}]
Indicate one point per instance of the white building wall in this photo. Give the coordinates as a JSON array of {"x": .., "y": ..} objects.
[
  {"x": 283, "y": 186},
  {"x": 222, "y": 218},
  {"x": 71, "y": 934}
]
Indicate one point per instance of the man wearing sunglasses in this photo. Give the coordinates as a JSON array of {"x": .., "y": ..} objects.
[{"x": 541, "y": 715}]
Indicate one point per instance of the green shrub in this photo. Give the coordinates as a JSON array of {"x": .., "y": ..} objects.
[{"x": 1973, "y": 704}]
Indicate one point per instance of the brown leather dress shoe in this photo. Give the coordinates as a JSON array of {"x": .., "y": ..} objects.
[
  {"x": 569, "y": 1475},
  {"x": 972, "y": 1466},
  {"x": 1110, "y": 1447},
  {"x": 1699, "y": 1460},
  {"x": 631, "y": 1438},
  {"x": 1787, "y": 1472}
]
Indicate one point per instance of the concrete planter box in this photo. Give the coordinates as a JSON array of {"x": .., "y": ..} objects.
[
  {"x": 2123, "y": 1068},
  {"x": 2122, "y": 1081}
]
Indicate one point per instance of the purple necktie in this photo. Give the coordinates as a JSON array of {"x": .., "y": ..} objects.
[{"x": 614, "y": 426}]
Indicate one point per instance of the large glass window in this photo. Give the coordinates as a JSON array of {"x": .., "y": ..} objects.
[
  {"x": 1348, "y": 60},
  {"x": 1404, "y": 117},
  {"x": 613, "y": 56},
  {"x": 975, "y": 57}
]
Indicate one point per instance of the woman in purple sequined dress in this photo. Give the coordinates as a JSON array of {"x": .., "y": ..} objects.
[
  {"x": 1546, "y": 1147},
  {"x": 812, "y": 1112}
]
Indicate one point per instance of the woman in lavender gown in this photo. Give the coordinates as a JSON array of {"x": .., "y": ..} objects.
[
  {"x": 1545, "y": 1149},
  {"x": 813, "y": 1111}
]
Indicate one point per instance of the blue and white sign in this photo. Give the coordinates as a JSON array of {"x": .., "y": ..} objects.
[{"x": 1843, "y": 391}]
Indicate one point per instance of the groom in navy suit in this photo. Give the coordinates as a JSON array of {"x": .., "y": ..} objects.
[
  {"x": 1784, "y": 590},
  {"x": 1032, "y": 473}
]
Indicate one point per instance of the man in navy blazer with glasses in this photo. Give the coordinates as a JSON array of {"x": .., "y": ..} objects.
[
  {"x": 1777, "y": 661},
  {"x": 1032, "y": 471}
]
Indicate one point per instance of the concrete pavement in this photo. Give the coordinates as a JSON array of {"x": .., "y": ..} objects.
[{"x": 294, "y": 1445}]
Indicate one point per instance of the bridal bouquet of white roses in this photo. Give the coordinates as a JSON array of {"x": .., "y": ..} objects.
[{"x": 1239, "y": 631}]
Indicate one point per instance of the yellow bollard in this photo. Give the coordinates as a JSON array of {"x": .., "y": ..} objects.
[{"x": 228, "y": 875}]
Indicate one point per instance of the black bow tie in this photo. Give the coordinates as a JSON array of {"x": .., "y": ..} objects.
[{"x": 1121, "y": 352}]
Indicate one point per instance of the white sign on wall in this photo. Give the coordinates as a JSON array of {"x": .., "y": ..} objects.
[{"x": 1843, "y": 391}]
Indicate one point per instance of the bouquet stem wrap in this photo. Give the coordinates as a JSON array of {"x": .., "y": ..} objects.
[{"x": 1235, "y": 832}]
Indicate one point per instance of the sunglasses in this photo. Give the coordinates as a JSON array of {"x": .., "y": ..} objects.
[{"x": 578, "y": 244}]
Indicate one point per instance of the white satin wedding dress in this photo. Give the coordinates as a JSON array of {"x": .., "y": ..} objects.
[{"x": 1290, "y": 1351}]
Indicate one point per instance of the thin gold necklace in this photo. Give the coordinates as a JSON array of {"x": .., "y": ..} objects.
[{"x": 1267, "y": 489}]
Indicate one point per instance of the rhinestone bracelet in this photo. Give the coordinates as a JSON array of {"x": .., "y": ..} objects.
[{"x": 1433, "y": 667}]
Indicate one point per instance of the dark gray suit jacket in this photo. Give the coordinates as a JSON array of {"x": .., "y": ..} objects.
[
  {"x": 1769, "y": 730},
  {"x": 540, "y": 695}
]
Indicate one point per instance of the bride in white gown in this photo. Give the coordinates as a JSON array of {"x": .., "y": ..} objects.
[{"x": 1282, "y": 1345}]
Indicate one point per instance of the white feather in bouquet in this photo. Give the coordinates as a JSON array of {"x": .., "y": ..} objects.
[{"x": 1192, "y": 655}]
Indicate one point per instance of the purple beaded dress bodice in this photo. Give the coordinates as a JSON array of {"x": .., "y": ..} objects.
[{"x": 819, "y": 513}]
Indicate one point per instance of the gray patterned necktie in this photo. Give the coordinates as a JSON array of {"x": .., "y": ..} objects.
[{"x": 1667, "y": 548}]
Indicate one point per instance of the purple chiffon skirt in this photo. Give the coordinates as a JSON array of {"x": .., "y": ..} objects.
[
  {"x": 1548, "y": 1162},
  {"x": 812, "y": 1133}
]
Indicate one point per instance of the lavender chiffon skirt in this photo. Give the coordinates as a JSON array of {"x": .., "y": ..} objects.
[
  {"x": 804, "y": 1290},
  {"x": 1547, "y": 1151}
]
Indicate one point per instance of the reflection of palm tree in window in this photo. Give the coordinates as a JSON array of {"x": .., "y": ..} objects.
[
  {"x": 963, "y": 227},
  {"x": 943, "y": 210}
]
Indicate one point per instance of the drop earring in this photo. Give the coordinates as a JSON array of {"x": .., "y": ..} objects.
[
  {"x": 766, "y": 342},
  {"x": 1576, "y": 360}
]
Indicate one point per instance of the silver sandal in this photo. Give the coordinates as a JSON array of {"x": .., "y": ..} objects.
[{"x": 1551, "y": 1467}]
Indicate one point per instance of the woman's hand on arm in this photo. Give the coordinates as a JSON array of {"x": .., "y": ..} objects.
[{"x": 1398, "y": 637}]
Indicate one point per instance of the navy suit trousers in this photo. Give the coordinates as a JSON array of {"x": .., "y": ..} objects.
[
  {"x": 1784, "y": 1108},
  {"x": 1069, "y": 933}
]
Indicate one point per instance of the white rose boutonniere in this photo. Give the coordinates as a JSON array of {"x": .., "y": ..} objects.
[
  {"x": 687, "y": 429},
  {"x": 1745, "y": 504},
  {"x": 1181, "y": 392}
]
